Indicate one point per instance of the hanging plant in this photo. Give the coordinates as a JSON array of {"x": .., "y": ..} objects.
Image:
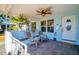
[
  {"x": 14, "y": 19},
  {"x": 20, "y": 18},
  {"x": 23, "y": 18}
]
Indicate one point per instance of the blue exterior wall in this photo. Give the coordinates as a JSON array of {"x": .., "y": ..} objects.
[
  {"x": 58, "y": 18},
  {"x": 77, "y": 35},
  {"x": 58, "y": 21}
]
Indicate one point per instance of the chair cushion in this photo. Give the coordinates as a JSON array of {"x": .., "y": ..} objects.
[{"x": 19, "y": 34}]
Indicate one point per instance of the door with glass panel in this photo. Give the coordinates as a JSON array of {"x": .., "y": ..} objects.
[{"x": 69, "y": 28}]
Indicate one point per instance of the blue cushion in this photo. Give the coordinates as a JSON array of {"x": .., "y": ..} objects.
[{"x": 19, "y": 34}]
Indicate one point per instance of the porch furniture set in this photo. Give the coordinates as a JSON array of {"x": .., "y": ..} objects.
[{"x": 20, "y": 40}]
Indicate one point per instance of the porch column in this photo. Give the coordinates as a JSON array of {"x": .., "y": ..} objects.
[
  {"x": 29, "y": 26},
  {"x": 46, "y": 26}
]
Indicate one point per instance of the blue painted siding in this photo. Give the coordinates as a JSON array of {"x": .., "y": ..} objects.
[
  {"x": 77, "y": 34},
  {"x": 58, "y": 18},
  {"x": 58, "y": 21}
]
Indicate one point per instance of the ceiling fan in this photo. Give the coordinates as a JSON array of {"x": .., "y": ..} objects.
[{"x": 44, "y": 11}]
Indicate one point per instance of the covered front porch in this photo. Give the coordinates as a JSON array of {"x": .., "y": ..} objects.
[{"x": 54, "y": 32}]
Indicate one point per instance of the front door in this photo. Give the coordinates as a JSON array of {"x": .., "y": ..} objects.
[{"x": 68, "y": 28}]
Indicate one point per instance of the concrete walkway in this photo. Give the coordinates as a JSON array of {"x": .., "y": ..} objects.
[{"x": 2, "y": 49}]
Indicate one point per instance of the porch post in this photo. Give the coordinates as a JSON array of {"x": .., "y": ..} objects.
[
  {"x": 29, "y": 26},
  {"x": 46, "y": 26}
]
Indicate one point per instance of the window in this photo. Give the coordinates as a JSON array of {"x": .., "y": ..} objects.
[
  {"x": 43, "y": 26},
  {"x": 68, "y": 25},
  {"x": 43, "y": 29},
  {"x": 50, "y": 25}
]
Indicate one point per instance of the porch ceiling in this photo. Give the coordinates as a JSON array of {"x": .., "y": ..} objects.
[{"x": 29, "y": 9}]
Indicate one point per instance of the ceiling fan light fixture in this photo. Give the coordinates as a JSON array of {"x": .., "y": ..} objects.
[{"x": 44, "y": 11}]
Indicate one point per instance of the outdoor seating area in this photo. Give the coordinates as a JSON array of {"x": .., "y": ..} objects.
[
  {"x": 39, "y": 29},
  {"x": 29, "y": 37},
  {"x": 23, "y": 38},
  {"x": 35, "y": 46}
]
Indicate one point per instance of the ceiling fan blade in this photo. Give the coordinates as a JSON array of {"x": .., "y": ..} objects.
[
  {"x": 48, "y": 9},
  {"x": 38, "y": 11},
  {"x": 50, "y": 13}
]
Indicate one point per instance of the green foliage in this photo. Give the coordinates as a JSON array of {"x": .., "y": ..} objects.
[
  {"x": 1, "y": 21},
  {"x": 15, "y": 20},
  {"x": 20, "y": 18},
  {"x": 4, "y": 15},
  {"x": 13, "y": 28}
]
